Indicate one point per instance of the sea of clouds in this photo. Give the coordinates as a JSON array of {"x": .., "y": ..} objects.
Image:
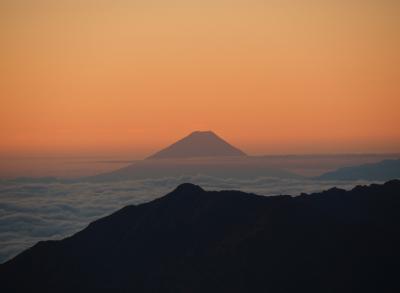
[{"x": 31, "y": 212}]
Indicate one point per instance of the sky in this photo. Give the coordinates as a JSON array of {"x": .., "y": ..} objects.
[{"x": 130, "y": 77}]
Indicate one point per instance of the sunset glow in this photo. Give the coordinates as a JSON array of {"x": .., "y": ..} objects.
[{"x": 272, "y": 77}]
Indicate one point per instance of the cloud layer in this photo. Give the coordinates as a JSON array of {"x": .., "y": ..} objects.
[{"x": 40, "y": 211}]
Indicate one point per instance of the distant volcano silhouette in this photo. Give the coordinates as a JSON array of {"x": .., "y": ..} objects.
[{"x": 198, "y": 144}]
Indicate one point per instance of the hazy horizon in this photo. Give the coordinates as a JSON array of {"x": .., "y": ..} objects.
[{"x": 75, "y": 167}]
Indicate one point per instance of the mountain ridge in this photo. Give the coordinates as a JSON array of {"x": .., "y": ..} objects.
[
  {"x": 383, "y": 170},
  {"x": 226, "y": 241}
]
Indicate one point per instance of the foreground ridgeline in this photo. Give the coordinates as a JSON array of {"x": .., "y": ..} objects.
[{"x": 193, "y": 240}]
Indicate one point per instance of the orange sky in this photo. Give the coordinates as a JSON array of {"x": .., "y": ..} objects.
[{"x": 128, "y": 77}]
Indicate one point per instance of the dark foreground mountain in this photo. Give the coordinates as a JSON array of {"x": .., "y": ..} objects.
[
  {"x": 193, "y": 240},
  {"x": 384, "y": 170},
  {"x": 199, "y": 144}
]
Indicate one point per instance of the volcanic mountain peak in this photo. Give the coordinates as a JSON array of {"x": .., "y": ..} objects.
[{"x": 199, "y": 144}]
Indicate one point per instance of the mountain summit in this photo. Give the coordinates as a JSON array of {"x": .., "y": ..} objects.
[{"x": 199, "y": 144}]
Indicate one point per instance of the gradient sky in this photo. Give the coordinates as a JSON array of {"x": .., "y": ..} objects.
[{"x": 128, "y": 77}]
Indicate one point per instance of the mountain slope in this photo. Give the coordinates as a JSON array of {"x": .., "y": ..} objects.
[
  {"x": 384, "y": 170},
  {"x": 193, "y": 240},
  {"x": 200, "y": 153},
  {"x": 234, "y": 167},
  {"x": 199, "y": 144}
]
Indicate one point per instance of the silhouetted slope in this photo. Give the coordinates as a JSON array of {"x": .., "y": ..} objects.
[
  {"x": 385, "y": 170},
  {"x": 196, "y": 241},
  {"x": 198, "y": 144},
  {"x": 239, "y": 168},
  {"x": 200, "y": 153}
]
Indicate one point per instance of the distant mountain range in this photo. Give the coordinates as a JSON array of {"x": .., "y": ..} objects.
[
  {"x": 198, "y": 144},
  {"x": 205, "y": 153},
  {"x": 201, "y": 152},
  {"x": 237, "y": 168},
  {"x": 383, "y": 171},
  {"x": 193, "y": 240}
]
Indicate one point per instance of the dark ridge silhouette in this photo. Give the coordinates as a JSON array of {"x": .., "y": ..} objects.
[
  {"x": 193, "y": 240},
  {"x": 199, "y": 144},
  {"x": 383, "y": 171}
]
